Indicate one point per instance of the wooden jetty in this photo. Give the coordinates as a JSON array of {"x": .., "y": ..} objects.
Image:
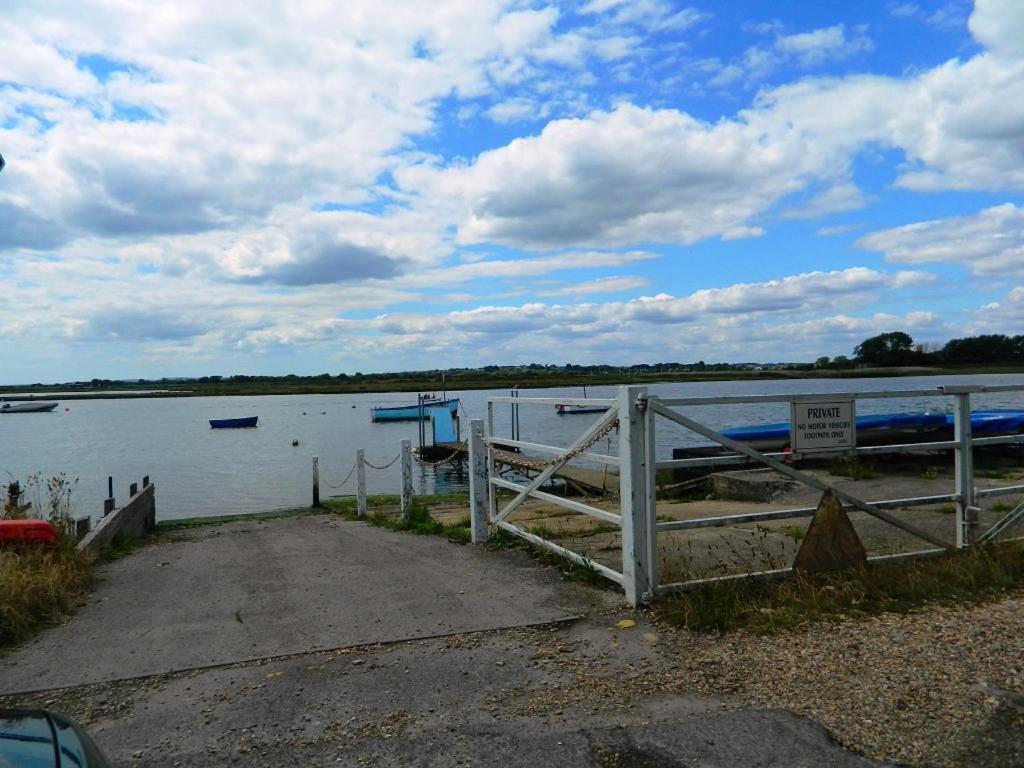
[{"x": 583, "y": 481}]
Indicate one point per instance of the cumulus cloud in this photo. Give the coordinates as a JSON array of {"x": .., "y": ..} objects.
[{"x": 989, "y": 243}]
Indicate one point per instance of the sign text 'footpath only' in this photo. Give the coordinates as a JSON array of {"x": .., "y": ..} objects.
[{"x": 822, "y": 426}]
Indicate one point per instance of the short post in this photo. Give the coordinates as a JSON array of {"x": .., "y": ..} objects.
[
  {"x": 316, "y": 481},
  {"x": 145, "y": 481},
  {"x": 406, "y": 500},
  {"x": 133, "y": 489},
  {"x": 360, "y": 483},
  {"x": 108, "y": 506},
  {"x": 478, "y": 483},
  {"x": 963, "y": 468},
  {"x": 82, "y": 526},
  {"x": 633, "y": 492}
]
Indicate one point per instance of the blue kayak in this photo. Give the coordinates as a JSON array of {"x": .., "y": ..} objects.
[{"x": 891, "y": 427}]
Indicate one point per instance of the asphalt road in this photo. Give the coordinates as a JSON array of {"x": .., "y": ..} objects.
[{"x": 312, "y": 641}]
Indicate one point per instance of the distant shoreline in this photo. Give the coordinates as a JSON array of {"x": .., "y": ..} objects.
[{"x": 353, "y": 386}]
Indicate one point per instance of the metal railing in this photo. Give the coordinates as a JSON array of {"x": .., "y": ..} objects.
[{"x": 637, "y": 415}]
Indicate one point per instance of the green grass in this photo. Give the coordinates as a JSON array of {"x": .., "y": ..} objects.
[
  {"x": 121, "y": 546},
  {"x": 418, "y": 520},
  {"x": 765, "y": 606},
  {"x": 39, "y": 585},
  {"x": 201, "y": 522},
  {"x": 853, "y": 467}
]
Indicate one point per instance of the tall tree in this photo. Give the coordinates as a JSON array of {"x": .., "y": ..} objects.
[{"x": 893, "y": 348}]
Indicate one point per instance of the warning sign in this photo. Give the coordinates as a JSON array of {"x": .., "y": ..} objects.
[{"x": 823, "y": 426}]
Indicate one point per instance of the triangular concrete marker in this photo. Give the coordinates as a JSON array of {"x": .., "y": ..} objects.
[{"x": 831, "y": 543}]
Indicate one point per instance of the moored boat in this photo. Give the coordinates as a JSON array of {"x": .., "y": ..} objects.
[
  {"x": 412, "y": 412},
  {"x": 242, "y": 423},
  {"x": 29, "y": 407},
  {"x": 564, "y": 409}
]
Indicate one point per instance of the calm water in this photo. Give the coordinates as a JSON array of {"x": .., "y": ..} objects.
[{"x": 200, "y": 471}]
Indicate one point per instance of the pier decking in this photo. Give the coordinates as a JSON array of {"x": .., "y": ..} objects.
[{"x": 587, "y": 482}]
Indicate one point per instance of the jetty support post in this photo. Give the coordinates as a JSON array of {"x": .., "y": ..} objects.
[
  {"x": 316, "y": 481},
  {"x": 406, "y": 460},
  {"x": 635, "y": 479},
  {"x": 963, "y": 467},
  {"x": 109, "y": 502},
  {"x": 478, "y": 484},
  {"x": 360, "y": 483}
]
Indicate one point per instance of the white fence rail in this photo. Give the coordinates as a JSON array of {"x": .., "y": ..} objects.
[{"x": 637, "y": 416}]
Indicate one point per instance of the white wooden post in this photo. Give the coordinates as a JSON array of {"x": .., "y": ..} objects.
[
  {"x": 963, "y": 467},
  {"x": 360, "y": 483},
  {"x": 406, "y": 501},
  {"x": 316, "y": 481},
  {"x": 633, "y": 493},
  {"x": 478, "y": 485}
]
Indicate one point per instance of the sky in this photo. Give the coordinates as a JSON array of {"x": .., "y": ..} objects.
[{"x": 258, "y": 187}]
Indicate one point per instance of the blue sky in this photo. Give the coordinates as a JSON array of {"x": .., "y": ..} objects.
[{"x": 196, "y": 188}]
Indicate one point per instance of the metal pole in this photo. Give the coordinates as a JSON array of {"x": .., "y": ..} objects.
[
  {"x": 478, "y": 489},
  {"x": 406, "y": 476},
  {"x": 633, "y": 493},
  {"x": 963, "y": 468},
  {"x": 316, "y": 481},
  {"x": 419, "y": 418},
  {"x": 360, "y": 483}
]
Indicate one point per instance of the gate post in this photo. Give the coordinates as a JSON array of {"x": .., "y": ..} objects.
[
  {"x": 478, "y": 483},
  {"x": 360, "y": 483},
  {"x": 634, "y": 494},
  {"x": 963, "y": 467},
  {"x": 406, "y": 460}
]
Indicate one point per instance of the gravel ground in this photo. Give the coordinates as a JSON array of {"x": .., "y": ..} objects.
[{"x": 940, "y": 687}]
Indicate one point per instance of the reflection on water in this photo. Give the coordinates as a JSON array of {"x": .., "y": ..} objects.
[{"x": 200, "y": 471}]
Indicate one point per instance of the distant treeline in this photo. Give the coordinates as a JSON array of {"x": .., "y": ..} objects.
[
  {"x": 887, "y": 350},
  {"x": 898, "y": 348}
]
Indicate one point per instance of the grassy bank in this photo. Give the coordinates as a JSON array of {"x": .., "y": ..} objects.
[
  {"x": 766, "y": 606},
  {"x": 39, "y": 586},
  {"x": 469, "y": 380}
]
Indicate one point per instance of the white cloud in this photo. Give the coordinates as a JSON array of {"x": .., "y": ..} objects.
[
  {"x": 828, "y": 43},
  {"x": 989, "y": 243}
]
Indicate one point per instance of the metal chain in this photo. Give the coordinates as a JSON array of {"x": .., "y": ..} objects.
[
  {"x": 454, "y": 454},
  {"x": 567, "y": 457},
  {"x": 347, "y": 478},
  {"x": 374, "y": 466}
]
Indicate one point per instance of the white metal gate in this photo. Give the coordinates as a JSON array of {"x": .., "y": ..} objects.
[{"x": 636, "y": 415}]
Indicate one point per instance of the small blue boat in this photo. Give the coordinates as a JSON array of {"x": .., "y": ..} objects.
[
  {"x": 413, "y": 412},
  {"x": 248, "y": 421}
]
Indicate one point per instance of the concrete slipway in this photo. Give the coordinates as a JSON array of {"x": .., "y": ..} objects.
[{"x": 313, "y": 641}]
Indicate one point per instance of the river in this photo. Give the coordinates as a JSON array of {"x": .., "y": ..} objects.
[{"x": 201, "y": 471}]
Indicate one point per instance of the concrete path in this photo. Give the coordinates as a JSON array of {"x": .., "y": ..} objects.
[{"x": 242, "y": 591}]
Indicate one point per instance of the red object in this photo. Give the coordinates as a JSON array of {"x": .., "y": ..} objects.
[{"x": 27, "y": 530}]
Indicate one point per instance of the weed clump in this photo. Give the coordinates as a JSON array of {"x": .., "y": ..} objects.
[
  {"x": 417, "y": 519},
  {"x": 40, "y": 582}
]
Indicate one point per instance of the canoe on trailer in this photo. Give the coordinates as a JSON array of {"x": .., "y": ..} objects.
[
  {"x": 248, "y": 421},
  {"x": 412, "y": 412},
  {"x": 32, "y": 407},
  {"x": 892, "y": 428}
]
